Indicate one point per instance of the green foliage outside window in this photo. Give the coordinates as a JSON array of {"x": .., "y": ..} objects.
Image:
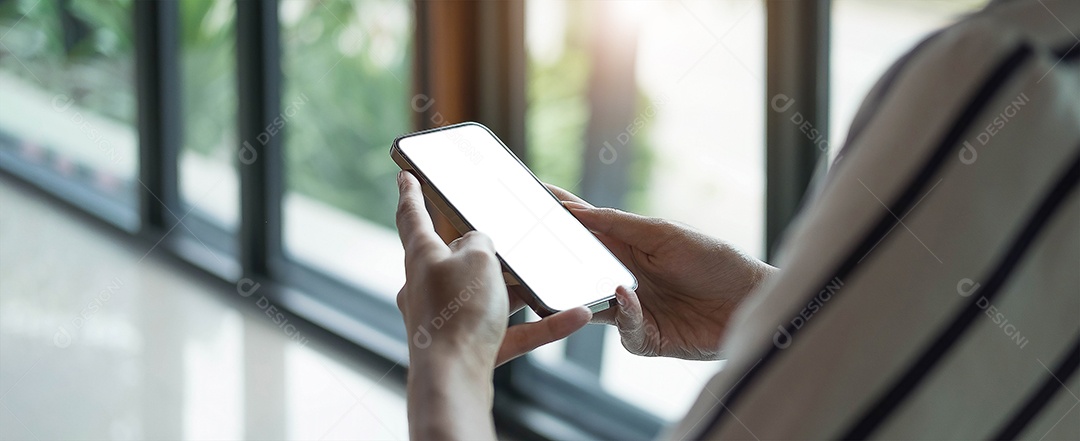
[
  {"x": 350, "y": 62},
  {"x": 347, "y": 87},
  {"x": 82, "y": 50}
]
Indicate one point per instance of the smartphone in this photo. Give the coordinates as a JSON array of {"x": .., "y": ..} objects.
[{"x": 479, "y": 184}]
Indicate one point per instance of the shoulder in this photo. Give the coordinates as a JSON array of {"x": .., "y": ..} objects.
[
  {"x": 945, "y": 68},
  {"x": 903, "y": 217}
]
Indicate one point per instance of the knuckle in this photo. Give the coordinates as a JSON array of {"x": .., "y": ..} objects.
[
  {"x": 405, "y": 212},
  {"x": 478, "y": 255},
  {"x": 402, "y": 213},
  {"x": 608, "y": 211},
  {"x": 632, "y": 344},
  {"x": 659, "y": 222},
  {"x": 478, "y": 238},
  {"x": 407, "y": 183},
  {"x": 662, "y": 225},
  {"x": 401, "y": 295},
  {"x": 477, "y": 247}
]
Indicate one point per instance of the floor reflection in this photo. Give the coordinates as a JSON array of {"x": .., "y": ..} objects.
[{"x": 97, "y": 342}]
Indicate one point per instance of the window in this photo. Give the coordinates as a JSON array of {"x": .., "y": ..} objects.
[
  {"x": 66, "y": 75},
  {"x": 209, "y": 185},
  {"x": 655, "y": 106},
  {"x": 867, "y": 38},
  {"x": 688, "y": 147},
  {"x": 347, "y": 86}
]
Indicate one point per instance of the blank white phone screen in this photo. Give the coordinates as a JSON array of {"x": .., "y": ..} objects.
[{"x": 541, "y": 242}]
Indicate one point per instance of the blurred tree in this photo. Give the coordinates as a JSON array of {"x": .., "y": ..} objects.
[
  {"x": 208, "y": 77},
  {"x": 558, "y": 111},
  {"x": 78, "y": 48},
  {"x": 346, "y": 67}
]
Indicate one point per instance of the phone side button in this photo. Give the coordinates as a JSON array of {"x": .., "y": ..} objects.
[{"x": 597, "y": 307}]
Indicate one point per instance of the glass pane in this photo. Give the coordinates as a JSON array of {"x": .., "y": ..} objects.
[
  {"x": 67, "y": 82},
  {"x": 867, "y": 38},
  {"x": 694, "y": 139},
  {"x": 208, "y": 179},
  {"x": 346, "y": 97}
]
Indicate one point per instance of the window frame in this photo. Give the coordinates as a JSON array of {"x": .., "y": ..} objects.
[{"x": 532, "y": 401}]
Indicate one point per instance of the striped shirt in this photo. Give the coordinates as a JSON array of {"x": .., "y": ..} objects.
[{"x": 930, "y": 288}]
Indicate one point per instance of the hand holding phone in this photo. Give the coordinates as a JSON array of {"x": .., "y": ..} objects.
[
  {"x": 454, "y": 303},
  {"x": 478, "y": 183}
]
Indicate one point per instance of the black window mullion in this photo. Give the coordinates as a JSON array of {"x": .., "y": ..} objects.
[
  {"x": 606, "y": 174},
  {"x": 612, "y": 95},
  {"x": 157, "y": 87},
  {"x": 261, "y": 173},
  {"x": 575, "y": 396},
  {"x": 585, "y": 348},
  {"x": 797, "y": 74}
]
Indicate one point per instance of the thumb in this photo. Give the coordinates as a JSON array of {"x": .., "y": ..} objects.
[{"x": 629, "y": 320}]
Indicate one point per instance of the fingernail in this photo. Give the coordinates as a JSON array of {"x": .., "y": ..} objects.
[
  {"x": 575, "y": 205},
  {"x": 620, "y": 297},
  {"x": 401, "y": 177}
]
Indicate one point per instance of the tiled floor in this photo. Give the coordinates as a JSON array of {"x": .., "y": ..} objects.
[{"x": 99, "y": 342}]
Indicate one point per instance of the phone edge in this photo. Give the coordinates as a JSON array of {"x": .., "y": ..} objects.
[{"x": 542, "y": 309}]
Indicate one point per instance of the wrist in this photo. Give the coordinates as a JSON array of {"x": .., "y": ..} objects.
[
  {"x": 747, "y": 269},
  {"x": 450, "y": 346},
  {"x": 450, "y": 393},
  {"x": 445, "y": 360}
]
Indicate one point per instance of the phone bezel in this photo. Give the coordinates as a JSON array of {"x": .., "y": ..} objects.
[{"x": 459, "y": 221}]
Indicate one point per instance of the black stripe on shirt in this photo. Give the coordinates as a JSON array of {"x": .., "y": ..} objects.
[
  {"x": 944, "y": 149},
  {"x": 1054, "y": 382},
  {"x": 876, "y": 415},
  {"x": 1069, "y": 52}
]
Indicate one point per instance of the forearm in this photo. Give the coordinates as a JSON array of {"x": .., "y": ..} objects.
[{"x": 449, "y": 397}]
